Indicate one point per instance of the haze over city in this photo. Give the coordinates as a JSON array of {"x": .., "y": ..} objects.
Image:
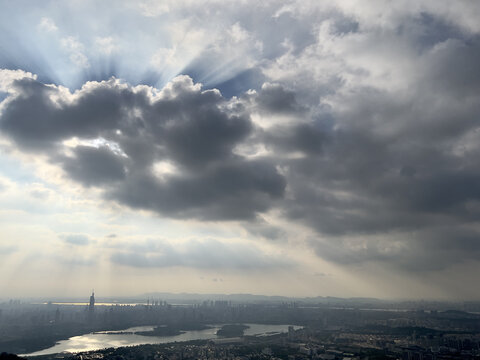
[{"x": 293, "y": 148}]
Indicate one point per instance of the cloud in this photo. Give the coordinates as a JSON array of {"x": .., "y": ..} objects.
[
  {"x": 235, "y": 191},
  {"x": 48, "y": 25},
  {"x": 393, "y": 148},
  {"x": 76, "y": 51},
  {"x": 3, "y": 186},
  {"x": 274, "y": 98},
  {"x": 113, "y": 136},
  {"x": 94, "y": 166},
  {"x": 372, "y": 136},
  {"x": 263, "y": 229},
  {"x": 205, "y": 254},
  {"x": 75, "y": 239},
  {"x": 7, "y": 250},
  {"x": 378, "y": 135},
  {"x": 105, "y": 45},
  {"x": 307, "y": 139},
  {"x": 8, "y": 77},
  {"x": 38, "y": 191},
  {"x": 423, "y": 250}
]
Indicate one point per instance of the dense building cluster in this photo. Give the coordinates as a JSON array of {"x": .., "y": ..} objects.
[
  {"x": 301, "y": 344},
  {"x": 322, "y": 331}
]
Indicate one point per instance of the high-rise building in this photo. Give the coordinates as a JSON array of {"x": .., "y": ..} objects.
[{"x": 91, "y": 307}]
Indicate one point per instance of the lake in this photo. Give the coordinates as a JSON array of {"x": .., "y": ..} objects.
[{"x": 99, "y": 340}]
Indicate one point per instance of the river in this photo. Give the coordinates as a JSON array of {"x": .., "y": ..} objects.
[{"x": 99, "y": 340}]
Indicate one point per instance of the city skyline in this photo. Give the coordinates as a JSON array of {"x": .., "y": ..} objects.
[{"x": 298, "y": 148}]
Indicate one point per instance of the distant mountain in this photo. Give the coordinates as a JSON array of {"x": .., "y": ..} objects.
[{"x": 189, "y": 297}]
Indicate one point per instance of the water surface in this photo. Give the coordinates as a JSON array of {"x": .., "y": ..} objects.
[{"x": 101, "y": 340}]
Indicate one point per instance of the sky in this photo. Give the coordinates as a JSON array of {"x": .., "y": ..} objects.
[{"x": 298, "y": 148}]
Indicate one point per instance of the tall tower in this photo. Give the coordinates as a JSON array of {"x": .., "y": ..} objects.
[{"x": 91, "y": 307}]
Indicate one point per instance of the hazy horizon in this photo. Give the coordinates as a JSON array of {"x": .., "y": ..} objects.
[
  {"x": 288, "y": 148},
  {"x": 143, "y": 298}
]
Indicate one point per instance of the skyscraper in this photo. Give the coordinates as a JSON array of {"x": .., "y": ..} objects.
[{"x": 91, "y": 307}]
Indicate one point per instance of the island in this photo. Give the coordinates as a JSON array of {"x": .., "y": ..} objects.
[
  {"x": 161, "y": 331},
  {"x": 173, "y": 329},
  {"x": 232, "y": 330}
]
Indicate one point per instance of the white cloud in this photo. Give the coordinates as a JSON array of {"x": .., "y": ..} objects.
[
  {"x": 7, "y": 77},
  {"x": 76, "y": 51},
  {"x": 46, "y": 24},
  {"x": 105, "y": 45}
]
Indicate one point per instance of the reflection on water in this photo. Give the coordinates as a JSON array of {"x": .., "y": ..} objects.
[{"x": 101, "y": 340}]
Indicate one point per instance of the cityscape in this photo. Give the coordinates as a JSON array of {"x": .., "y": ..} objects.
[{"x": 322, "y": 328}]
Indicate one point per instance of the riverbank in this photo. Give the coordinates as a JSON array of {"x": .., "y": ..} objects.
[{"x": 130, "y": 337}]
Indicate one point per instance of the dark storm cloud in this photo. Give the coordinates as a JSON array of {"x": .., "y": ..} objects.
[
  {"x": 426, "y": 250},
  {"x": 263, "y": 229},
  {"x": 236, "y": 190},
  {"x": 209, "y": 137},
  {"x": 274, "y": 98},
  {"x": 451, "y": 68},
  {"x": 207, "y": 254},
  {"x": 46, "y": 119},
  {"x": 360, "y": 184},
  {"x": 131, "y": 132},
  {"x": 305, "y": 138},
  {"x": 397, "y": 165},
  {"x": 94, "y": 166},
  {"x": 428, "y": 30}
]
